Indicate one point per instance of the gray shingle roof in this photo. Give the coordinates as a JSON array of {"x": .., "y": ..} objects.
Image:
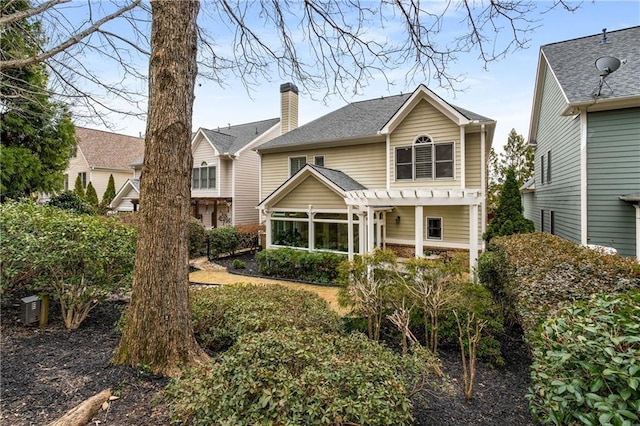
[
  {"x": 573, "y": 64},
  {"x": 233, "y": 138},
  {"x": 352, "y": 121},
  {"x": 109, "y": 150},
  {"x": 340, "y": 179}
]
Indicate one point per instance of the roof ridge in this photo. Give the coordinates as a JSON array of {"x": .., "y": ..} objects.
[{"x": 592, "y": 35}]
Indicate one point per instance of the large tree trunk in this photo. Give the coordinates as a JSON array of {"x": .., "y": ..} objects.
[{"x": 158, "y": 330}]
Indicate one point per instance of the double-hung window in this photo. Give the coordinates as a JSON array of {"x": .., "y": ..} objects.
[
  {"x": 434, "y": 228},
  {"x": 296, "y": 163},
  {"x": 203, "y": 177},
  {"x": 425, "y": 160}
]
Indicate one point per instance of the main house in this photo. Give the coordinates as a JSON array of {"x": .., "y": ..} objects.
[
  {"x": 99, "y": 155},
  {"x": 225, "y": 175},
  {"x": 585, "y": 126},
  {"x": 404, "y": 171}
]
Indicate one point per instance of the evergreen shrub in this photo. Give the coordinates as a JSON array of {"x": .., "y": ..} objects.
[
  {"x": 297, "y": 377},
  {"x": 586, "y": 363}
]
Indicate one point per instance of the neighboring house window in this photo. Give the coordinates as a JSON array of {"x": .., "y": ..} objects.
[
  {"x": 83, "y": 178},
  {"x": 74, "y": 151},
  {"x": 318, "y": 160},
  {"x": 552, "y": 222},
  {"x": 542, "y": 169},
  {"x": 66, "y": 182},
  {"x": 549, "y": 166},
  {"x": 203, "y": 177},
  {"x": 296, "y": 163},
  {"x": 434, "y": 228},
  {"x": 541, "y": 220},
  {"x": 424, "y": 160}
]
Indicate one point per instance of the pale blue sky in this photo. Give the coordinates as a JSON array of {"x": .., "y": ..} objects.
[{"x": 502, "y": 92}]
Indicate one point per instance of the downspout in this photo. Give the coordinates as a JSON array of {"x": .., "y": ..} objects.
[
  {"x": 483, "y": 176},
  {"x": 463, "y": 162},
  {"x": 583, "y": 178}
]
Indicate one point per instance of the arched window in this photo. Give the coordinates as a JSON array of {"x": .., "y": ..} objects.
[
  {"x": 203, "y": 177},
  {"x": 425, "y": 159}
]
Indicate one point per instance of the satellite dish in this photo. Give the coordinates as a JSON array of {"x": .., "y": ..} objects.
[{"x": 607, "y": 64}]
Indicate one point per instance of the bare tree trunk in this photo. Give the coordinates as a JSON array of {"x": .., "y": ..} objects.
[{"x": 158, "y": 330}]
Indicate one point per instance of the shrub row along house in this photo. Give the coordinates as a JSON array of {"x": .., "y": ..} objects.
[{"x": 585, "y": 127}]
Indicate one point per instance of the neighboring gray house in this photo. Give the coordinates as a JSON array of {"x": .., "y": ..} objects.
[{"x": 585, "y": 126}]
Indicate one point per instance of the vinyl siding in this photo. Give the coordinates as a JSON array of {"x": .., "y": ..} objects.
[
  {"x": 364, "y": 163},
  {"x": 473, "y": 161},
  {"x": 455, "y": 221},
  {"x": 245, "y": 187},
  {"x": 425, "y": 119},
  {"x": 311, "y": 191},
  {"x": 99, "y": 178},
  {"x": 613, "y": 167},
  {"x": 561, "y": 135},
  {"x": 204, "y": 152},
  {"x": 125, "y": 205}
]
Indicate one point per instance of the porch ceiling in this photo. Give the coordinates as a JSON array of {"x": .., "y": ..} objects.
[{"x": 414, "y": 197}]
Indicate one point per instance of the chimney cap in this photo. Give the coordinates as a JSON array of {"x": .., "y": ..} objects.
[{"x": 288, "y": 87}]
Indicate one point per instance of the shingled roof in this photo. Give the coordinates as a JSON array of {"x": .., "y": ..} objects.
[
  {"x": 107, "y": 150},
  {"x": 572, "y": 62},
  {"x": 353, "y": 121},
  {"x": 340, "y": 179},
  {"x": 231, "y": 139}
]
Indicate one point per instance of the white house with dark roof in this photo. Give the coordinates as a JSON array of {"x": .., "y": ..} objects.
[
  {"x": 100, "y": 154},
  {"x": 225, "y": 175},
  {"x": 585, "y": 126},
  {"x": 406, "y": 170}
]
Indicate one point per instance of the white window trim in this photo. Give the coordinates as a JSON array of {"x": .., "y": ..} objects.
[
  {"x": 289, "y": 162},
  {"x": 426, "y": 228},
  {"x": 433, "y": 163}
]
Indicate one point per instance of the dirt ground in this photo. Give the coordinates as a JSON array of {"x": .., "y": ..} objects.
[{"x": 46, "y": 372}]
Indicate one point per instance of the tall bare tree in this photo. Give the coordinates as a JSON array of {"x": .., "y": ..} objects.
[
  {"x": 330, "y": 45},
  {"x": 158, "y": 328}
]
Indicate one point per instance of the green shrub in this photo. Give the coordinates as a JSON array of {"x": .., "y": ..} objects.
[
  {"x": 197, "y": 236},
  {"x": 91, "y": 195},
  {"x": 586, "y": 363},
  {"x": 297, "y": 377},
  {"x": 548, "y": 272},
  {"x": 80, "y": 259},
  {"x": 239, "y": 264},
  {"x": 69, "y": 200},
  {"x": 223, "y": 240},
  {"x": 494, "y": 274},
  {"x": 317, "y": 267},
  {"x": 221, "y": 315}
]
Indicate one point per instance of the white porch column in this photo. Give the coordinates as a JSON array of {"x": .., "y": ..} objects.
[
  {"x": 419, "y": 231},
  {"x": 362, "y": 234},
  {"x": 473, "y": 239},
  {"x": 267, "y": 229},
  {"x": 312, "y": 239},
  {"x": 378, "y": 232},
  {"x": 637, "y": 206},
  {"x": 371, "y": 219},
  {"x": 350, "y": 231}
]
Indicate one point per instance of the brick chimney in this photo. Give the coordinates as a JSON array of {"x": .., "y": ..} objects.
[{"x": 288, "y": 107}]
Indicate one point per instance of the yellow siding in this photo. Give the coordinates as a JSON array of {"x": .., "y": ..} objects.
[
  {"x": 245, "y": 184},
  {"x": 425, "y": 119},
  {"x": 311, "y": 191},
  {"x": 364, "y": 163},
  {"x": 100, "y": 179},
  {"x": 473, "y": 163},
  {"x": 455, "y": 223}
]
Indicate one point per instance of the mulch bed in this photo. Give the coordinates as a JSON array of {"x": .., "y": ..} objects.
[{"x": 46, "y": 372}]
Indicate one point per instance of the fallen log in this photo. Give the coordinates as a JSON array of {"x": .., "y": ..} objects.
[{"x": 81, "y": 414}]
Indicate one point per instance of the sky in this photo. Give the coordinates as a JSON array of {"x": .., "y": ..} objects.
[{"x": 503, "y": 91}]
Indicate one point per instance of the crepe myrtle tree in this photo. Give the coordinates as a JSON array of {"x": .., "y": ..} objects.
[{"x": 327, "y": 46}]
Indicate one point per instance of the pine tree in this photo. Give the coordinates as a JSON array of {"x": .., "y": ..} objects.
[
  {"x": 109, "y": 193},
  {"x": 36, "y": 134},
  {"x": 79, "y": 189},
  {"x": 91, "y": 195},
  {"x": 508, "y": 217}
]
